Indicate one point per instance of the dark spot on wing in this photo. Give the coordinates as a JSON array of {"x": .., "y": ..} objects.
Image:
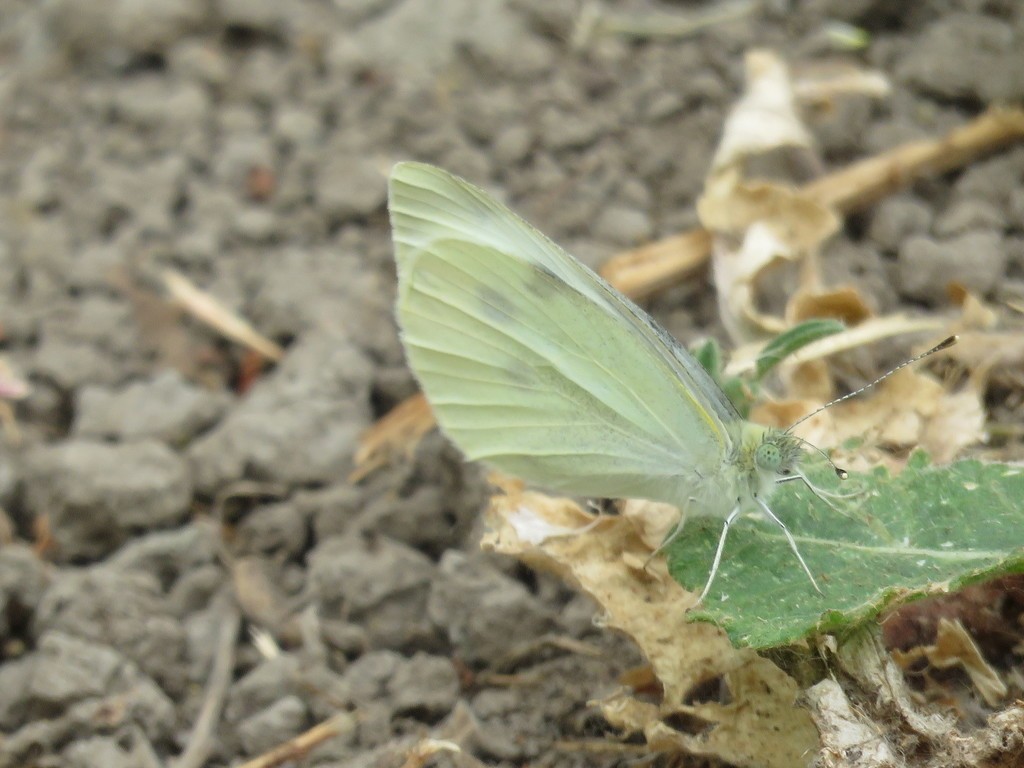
[
  {"x": 496, "y": 305},
  {"x": 519, "y": 373},
  {"x": 543, "y": 282}
]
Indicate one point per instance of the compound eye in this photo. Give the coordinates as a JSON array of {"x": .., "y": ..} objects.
[{"x": 767, "y": 457}]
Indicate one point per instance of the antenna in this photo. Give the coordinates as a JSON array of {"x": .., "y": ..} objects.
[
  {"x": 841, "y": 473},
  {"x": 946, "y": 344}
]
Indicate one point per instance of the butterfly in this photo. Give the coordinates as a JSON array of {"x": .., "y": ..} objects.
[{"x": 534, "y": 364}]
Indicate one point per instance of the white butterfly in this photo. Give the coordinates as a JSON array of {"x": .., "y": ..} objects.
[{"x": 535, "y": 364}]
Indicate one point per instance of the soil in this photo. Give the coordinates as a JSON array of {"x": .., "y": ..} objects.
[{"x": 162, "y": 491}]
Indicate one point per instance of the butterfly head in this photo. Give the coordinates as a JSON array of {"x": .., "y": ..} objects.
[
  {"x": 776, "y": 457},
  {"x": 766, "y": 456},
  {"x": 777, "y": 454}
]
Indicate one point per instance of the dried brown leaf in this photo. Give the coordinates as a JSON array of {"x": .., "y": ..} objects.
[
  {"x": 908, "y": 410},
  {"x": 954, "y": 647},
  {"x": 605, "y": 556},
  {"x": 870, "y": 723},
  {"x": 845, "y": 304},
  {"x": 766, "y": 116},
  {"x": 797, "y": 222},
  {"x": 757, "y": 224}
]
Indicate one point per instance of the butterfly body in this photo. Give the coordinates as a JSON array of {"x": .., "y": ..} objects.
[{"x": 761, "y": 458}]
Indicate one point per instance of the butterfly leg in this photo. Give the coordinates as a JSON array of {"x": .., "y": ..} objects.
[
  {"x": 826, "y": 498},
  {"x": 790, "y": 539},
  {"x": 821, "y": 493},
  {"x": 718, "y": 553}
]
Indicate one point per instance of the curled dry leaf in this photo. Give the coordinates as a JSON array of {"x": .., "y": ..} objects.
[
  {"x": 605, "y": 557},
  {"x": 738, "y": 264},
  {"x": 864, "y": 658},
  {"x": 845, "y": 304},
  {"x": 735, "y": 275},
  {"x": 954, "y": 647},
  {"x": 908, "y": 410},
  {"x": 912, "y": 409},
  {"x": 794, "y": 221},
  {"x": 652, "y": 519},
  {"x": 757, "y": 224},
  {"x": 811, "y": 381},
  {"x": 847, "y": 731},
  {"x": 871, "y": 724},
  {"x": 985, "y": 354},
  {"x": 765, "y": 118},
  {"x": 643, "y": 271},
  {"x": 975, "y": 313}
]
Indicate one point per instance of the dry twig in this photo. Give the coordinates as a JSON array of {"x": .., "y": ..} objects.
[
  {"x": 200, "y": 741},
  {"x": 298, "y": 747},
  {"x": 208, "y": 310}
]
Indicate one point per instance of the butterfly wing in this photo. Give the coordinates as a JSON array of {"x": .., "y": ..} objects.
[{"x": 534, "y": 363}]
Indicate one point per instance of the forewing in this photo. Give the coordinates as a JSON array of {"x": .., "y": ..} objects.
[{"x": 534, "y": 363}]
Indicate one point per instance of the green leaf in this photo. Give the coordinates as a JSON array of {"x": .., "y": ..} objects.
[
  {"x": 743, "y": 390},
  {"x": 795, "y": 338},
  {"x": 709, "y": 355},
  {"x": 930, "y": 530}
]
